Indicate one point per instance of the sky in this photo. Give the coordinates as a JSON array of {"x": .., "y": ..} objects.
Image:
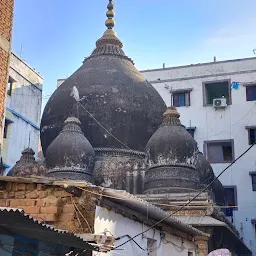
[{"x": 54, "y": 36}]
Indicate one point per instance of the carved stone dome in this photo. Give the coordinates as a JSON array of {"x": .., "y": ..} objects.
[
  {"x": 27, "y": 165},
  {"x": 113, "y": 92},
  {"x": 70, "y": 155},
  {"x": 171, "y": 154}
]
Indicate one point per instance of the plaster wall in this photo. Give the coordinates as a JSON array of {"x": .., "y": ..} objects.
[
  {"x": 23, "y": 108},
  {"x": 118, "y": 225},
  {"x": 220, "y": 124}
]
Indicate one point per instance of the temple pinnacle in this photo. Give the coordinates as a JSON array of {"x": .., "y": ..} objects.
[{"x": 110, "y": 23}]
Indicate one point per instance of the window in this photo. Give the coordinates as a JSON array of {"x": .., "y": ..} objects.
[
  {"x": 6, "y": 124},
  {"x": 191, "y": 130},
  {"x": 219, "y": 151},
  {"x": 253, "y": 221},
  {"x": 251, "y": 93},
  {"x": 9, "y": 86},
  {"x": 251, "y": 134},
  {"x": 253, "y": 176},
  {"x": 215, "y": 90},
  {"x": 181, "y": 98},
  {"x": 230, "y": 196},
  {"x": 254, "y": 182},
  {"x": 6, "y": 127}
]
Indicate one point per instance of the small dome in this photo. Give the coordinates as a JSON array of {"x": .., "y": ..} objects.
[
  {"x": 70, "y": 155},
  {"x": 207, "y": 176},
  {"x": 27, "y": 165},
  {"x": 171, "y": 154},
  {"x": 171, "y": 143}
]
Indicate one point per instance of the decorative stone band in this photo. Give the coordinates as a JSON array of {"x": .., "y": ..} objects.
[
  {"x": 190, "y": 166},
  {"x": 72, "y": 173},
  {"x": 167, "y": 179},
  {"x": 109, "y": 50},
  {"x": 118, "y": 152}
]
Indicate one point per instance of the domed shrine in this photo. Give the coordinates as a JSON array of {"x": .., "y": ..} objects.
[
  {"x": 115, "y": 95},
  {"x": 117, "y": 132}
]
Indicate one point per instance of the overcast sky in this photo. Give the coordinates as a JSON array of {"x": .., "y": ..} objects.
[{"x": 54, "y": 36}]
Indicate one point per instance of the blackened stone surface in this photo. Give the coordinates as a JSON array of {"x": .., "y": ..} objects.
[
  {"x": 27, "y": 166},
  {"x": 171, "y": 155},
  {"x": 116, "y": 94},
  {"x": 70, "y": 155},
  {"x": 171, "y": 145},
  {"x": 171, "y": 179},
  {"x": 120, "y": 169}
]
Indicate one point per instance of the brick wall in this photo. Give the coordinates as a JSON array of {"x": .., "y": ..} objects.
[
  {"x": 51, "y": 204},
  {"x": 6, "y": 19}
]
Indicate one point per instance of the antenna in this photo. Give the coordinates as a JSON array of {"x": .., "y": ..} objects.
[
  {"x": 29, "y": 139},
  {"x": 171, "y": 97},
  {"x": 20, "y": 50}
]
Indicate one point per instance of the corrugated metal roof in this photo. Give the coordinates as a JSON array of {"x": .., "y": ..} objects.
[
  {"x": 151, "y": 211},
  {"x": 119, "y": 196},
  {"x": 200, "y": 221},
  {"x": 16, "y": 222}
]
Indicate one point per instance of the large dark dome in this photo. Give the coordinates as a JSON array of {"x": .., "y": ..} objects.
[{"x": 114, "y": 92}]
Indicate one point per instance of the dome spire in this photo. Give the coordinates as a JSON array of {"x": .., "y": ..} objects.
[
  {"x": 171, "y": 117},
  {"x": 109, "y": 43},
  {"x": 110, "y": 23}
]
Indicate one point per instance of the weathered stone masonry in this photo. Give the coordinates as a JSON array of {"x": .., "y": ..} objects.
[
  {"x": 6, "y": 19},
  {"x": 52, "y": 204}
]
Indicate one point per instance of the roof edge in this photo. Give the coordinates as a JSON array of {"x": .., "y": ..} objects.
[
  {"x": 25, "y": 63},
  {"x": 198, "y": 64}
]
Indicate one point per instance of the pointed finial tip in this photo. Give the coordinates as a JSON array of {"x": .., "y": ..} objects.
[
  {"x": 110, "y": 23},
  {"x": 171, "y": 111}
]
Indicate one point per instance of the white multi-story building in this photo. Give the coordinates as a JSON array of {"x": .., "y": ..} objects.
[
  {"x": 217, "y": 103},
  {"x": 23, "y": 111}
]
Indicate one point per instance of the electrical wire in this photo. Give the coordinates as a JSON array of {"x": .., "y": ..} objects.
[
  {"x": 91, "y": 115},
  {"x": 252, "y": 114},
  {"x": 82, "y": 216},
  {"x": 159, "y": 204},
  {"x": 131, "y": 239},
  {"x": 182, "y": 207}
]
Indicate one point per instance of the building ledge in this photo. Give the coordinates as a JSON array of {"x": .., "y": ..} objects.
[{"x": 23, "y": 118}]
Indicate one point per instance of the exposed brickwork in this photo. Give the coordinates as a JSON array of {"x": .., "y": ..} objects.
[
  {"x": 202, "y": 245},
  {"x": 6, "y": 19},
  {"x": 51, "y": 204}
]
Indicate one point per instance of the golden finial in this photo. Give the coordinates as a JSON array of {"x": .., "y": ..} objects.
[
  {"x": 110, "y": 23},
  {"x": 171, "y": 112}
]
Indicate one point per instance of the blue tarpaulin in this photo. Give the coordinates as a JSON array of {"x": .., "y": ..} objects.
[{"x": 235, "y": 85}]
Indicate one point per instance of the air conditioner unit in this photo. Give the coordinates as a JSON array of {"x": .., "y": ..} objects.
[{"x": 220, "y": 103}]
